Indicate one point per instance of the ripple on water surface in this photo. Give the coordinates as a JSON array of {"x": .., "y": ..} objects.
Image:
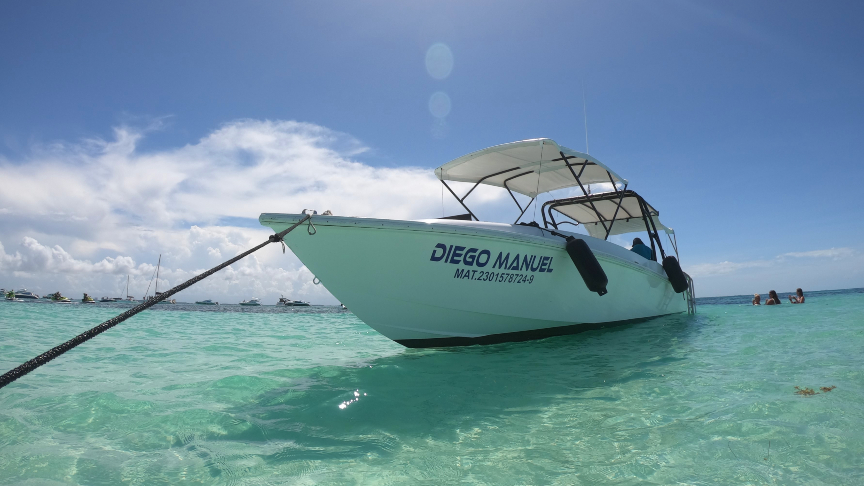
[{"x": 181, "y": 395}]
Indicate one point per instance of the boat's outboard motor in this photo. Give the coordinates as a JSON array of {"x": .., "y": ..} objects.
[
  {"x": 675, "y": 274},
  {"x": 587, "y": 264}
]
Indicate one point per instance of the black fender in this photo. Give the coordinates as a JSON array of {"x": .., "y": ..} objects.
[
  {"x": 587, "y": 264},
  {"x": 675, "y": 274}
]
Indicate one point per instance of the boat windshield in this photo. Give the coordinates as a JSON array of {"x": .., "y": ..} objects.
[{"x": 528, "y": 167}]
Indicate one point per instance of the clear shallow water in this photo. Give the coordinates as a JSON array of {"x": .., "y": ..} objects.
[{"x": 191, "y": 395}]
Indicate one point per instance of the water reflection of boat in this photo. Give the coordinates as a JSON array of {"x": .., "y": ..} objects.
[
  {"x": 460, "y": 281},
  {"x": 291, "y": 303},
  {"x": 253, "y": 301},
  {"x": 207, "y": 302}
]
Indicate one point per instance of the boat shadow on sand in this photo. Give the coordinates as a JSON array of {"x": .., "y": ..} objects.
[{"x": 333, "y": 412}]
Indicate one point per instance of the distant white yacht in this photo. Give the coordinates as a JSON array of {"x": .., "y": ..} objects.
[
  {"x": 207, "y": 302},
  {"x": 253, "y": 301},
  {"x": 291, "y": 303},
  {"x": 25, "y": 294}
]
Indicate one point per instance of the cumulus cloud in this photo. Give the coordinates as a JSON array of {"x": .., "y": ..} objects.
[
  {"x": 35, "y": 258},
  {"x": 832, "y": 268},
  {"x": 832, "y": 253},
  {"x": 721, "y": 268},
  {"x": 91, "y": 212}
]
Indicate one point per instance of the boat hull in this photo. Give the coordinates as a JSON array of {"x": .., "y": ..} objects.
[{"x": 411, "y": 280}]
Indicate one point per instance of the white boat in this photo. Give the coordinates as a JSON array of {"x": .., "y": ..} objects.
[
  {"x": 291, "y": 303},
  {"x": 207, "y": 302},
  {"x": 459, "y": 281},
  {"x": 166, "y": 301},
  {"x": 25, "y": 294},
  {"x": 128, "y": 298},
  {"x": 253, "y": 301}
]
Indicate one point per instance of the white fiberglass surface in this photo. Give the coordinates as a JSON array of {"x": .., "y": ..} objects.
[
  {"x": 526, "y": 233},
  {"x": 411, "y": 280}
]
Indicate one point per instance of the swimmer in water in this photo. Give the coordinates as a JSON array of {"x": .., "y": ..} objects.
[
  {"x": 757, "y": 299},
  {"x": 797, "y": 299},
  {"x": 772, "y": 298}
]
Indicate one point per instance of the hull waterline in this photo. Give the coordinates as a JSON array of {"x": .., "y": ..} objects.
[{"x": 449, "y": 283}]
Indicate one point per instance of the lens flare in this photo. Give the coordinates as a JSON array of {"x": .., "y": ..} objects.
[
  {"x": 439, "y": 104},
  {"x": 439, "y": 61}
]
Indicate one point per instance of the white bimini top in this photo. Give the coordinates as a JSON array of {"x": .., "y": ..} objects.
[{"x": 529, "y": 167}]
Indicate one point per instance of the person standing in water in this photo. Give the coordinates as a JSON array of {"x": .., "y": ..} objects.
[
  {"x": 757, "y": 299},
  {"x": 799, "y": 299},
  {"x": 772, "y": 298}
]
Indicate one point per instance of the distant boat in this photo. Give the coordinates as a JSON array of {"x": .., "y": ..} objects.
[
  {"x": 291, "y": 303},
  {"x": 166, "y": 301},
  {"x": 57, "y": 298},
  {"x": 25, "y": 294},
  {"x": 88, "y": 300},
  {"x": 110, "y": 299},
  {"x": 128, "y": 297},
  {"x": 156, "y": 289},
  {"x": 207, "y": 302},
  {"x": 253, "y": 301},
  {"x": 10, "y": 296}
]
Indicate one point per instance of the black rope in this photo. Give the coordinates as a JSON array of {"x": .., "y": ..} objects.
[{"x": 45, "y": 357}]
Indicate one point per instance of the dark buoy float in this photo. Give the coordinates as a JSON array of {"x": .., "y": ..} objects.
[
  {"x": 675, "y": 274},
  {"x": 587, "y": 264}
]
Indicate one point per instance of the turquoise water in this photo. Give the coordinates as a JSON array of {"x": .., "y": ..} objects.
[{"x": 274, "y": 396}]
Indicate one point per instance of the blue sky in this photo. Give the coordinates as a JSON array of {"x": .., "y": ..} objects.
[{"x": 740, "y": 121}]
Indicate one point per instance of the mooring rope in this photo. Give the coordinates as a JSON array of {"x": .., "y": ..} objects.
[{"x": 47, "y": 356}]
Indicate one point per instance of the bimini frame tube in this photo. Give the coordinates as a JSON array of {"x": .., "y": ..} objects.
[
  {"x": 462, "y": 199},
  {"x": 652, "y": 235},
  {"x": 620, "y": 200},
  {"x": 579, "y": 181},
  {"x": 514, "y": 197}
]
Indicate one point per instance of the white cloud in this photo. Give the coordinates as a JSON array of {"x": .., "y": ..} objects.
[
  {"x": 832, "y": 253},
  {"x": 817, "y": 269},
  {"x": 67, "y": 205},
  {"x": 709, "y": 269}
]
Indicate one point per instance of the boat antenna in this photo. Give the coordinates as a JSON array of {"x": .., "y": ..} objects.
[
  {"x": 585, "y": 115},
  {"x": 540, "y": 169}
]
